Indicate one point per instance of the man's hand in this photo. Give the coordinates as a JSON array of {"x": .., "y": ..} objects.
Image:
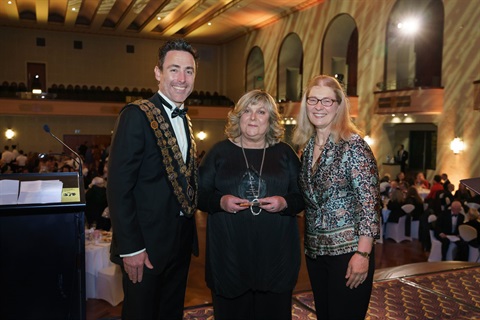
[{"x": 134, "y": 266}]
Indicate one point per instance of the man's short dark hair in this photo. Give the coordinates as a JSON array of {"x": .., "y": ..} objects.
[{"x": 178, "y": 45}]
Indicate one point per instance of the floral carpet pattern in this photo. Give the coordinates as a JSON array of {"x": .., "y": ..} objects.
[{"x": 443, "y": 295}]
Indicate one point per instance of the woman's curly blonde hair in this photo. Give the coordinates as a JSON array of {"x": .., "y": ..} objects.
[{"x": 275, "y": 131}]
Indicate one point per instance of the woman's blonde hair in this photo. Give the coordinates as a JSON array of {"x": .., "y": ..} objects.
[
  {"x": 472, "y": 214},
  {"x": 275, "y": 131},
  {"x": 342, "y": 125}
]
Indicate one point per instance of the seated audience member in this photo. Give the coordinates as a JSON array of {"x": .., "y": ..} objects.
[
  {"x": 447, "y": 224},
  {"x": 385, "y": 185},
  {"x": 412, "y": 197},
  {"x": 95, "y": 203},
  {"x": 462, "y": 194},
  {"x": 421, "y": 182},
  {"x": 475, "y": 198},
  {"x": 448, "y": 198},
  {"x": 21, "y": 161},
  {"x": 437, "y": 186},
  {"x": 473, "y": 220},
  {"x": 397, "y": 200},
  {"x": 400, "y": 177},
  {"x": 66, "y": 168},
  {"x": 7, "y": 155},
  {"x": 393, "y": 187},
  {"x": 462, "y": 246},
  {"x": 403, "y": 185}
]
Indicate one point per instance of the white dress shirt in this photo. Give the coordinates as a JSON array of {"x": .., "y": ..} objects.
[{"x": 178, "y": 127}]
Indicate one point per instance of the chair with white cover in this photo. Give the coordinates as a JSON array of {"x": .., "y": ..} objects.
[
  {"x": 473, "y": 205},
  {"x": 396, "y": 230},
  {"x": 436, "y": 248},
  {"x": 469, "y": 233},
  {"x": 109, "y": 285},
  {"x": 414, "y": 224},
  {"x": 441, "y": 197}
]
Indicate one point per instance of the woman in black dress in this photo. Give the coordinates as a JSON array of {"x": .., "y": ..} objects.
[{"x": 248, "y": 185}]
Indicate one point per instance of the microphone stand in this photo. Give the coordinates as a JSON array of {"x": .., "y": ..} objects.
[{"x": 78, "y": 160}]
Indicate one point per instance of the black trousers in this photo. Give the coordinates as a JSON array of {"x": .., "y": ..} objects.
[
  {"x": 161, "y": 296},
  {"x": 253, "y": 305},
  {"x": 462, "y": 249},
  {"x": 333, "y": 299}
]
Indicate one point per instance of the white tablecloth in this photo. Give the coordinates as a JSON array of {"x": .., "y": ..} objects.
[
  {"x": 97, "y": 257},
  {"x": 423, "y": 192},
  {"x": 453, "y": 238}
]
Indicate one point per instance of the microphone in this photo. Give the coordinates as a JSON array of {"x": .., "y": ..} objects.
[{"x": 78, "y": 160}]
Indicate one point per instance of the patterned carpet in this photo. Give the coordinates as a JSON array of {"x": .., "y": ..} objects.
[{"x": 451, "y": 294}]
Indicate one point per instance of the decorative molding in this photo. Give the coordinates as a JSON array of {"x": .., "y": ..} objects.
[
  {"x": 36, "y": 107},
  {"x": 418, "y": 101}
]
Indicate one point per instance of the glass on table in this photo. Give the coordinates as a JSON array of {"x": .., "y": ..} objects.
[{"x": 97, "y": 236}]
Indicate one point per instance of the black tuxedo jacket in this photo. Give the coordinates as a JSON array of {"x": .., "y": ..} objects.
[
  {"x": 444, "y": 223},
  {"x": 402, "y": 157},
  {"x": 143, "y": 209}
]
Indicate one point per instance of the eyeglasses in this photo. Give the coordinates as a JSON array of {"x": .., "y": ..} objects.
[{"x": 326, "y": 102}]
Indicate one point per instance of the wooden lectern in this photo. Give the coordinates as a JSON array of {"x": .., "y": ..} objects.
[{"x": 42, "y": 253}]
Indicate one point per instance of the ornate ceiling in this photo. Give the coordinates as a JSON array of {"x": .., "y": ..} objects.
[{"x": 201, "y": 21}]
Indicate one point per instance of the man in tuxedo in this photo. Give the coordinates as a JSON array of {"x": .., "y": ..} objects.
[
  {"x": 445, "y": 181},
  {"x": 402, "y": 157},
  {"x": 152, "y": 190},
  {"x": 447, "y": 224}
]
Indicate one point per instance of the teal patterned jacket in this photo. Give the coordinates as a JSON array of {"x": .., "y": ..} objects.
[{"x": 342, "y": 197}]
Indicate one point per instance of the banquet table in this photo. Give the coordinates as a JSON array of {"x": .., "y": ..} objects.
[
  {"x": 422, "y": 192},
  {"x": 97, "y": 257}
]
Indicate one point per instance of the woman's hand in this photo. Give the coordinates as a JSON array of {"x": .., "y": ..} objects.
[
  {"x": 273, "y": 204},
  {"x": 231, "y": 203},
  {"x": 357, "y": 271}
]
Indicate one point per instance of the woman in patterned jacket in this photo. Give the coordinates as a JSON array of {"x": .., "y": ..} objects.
[{"x": 340, "y": 184}]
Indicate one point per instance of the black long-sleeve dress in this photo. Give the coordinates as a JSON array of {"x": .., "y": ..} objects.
[{"x": 247, "y": 252}]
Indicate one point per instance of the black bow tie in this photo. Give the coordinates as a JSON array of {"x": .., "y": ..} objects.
[
  {"x": 179, "y": 112},
  {"x": 176, "y": 111}
]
